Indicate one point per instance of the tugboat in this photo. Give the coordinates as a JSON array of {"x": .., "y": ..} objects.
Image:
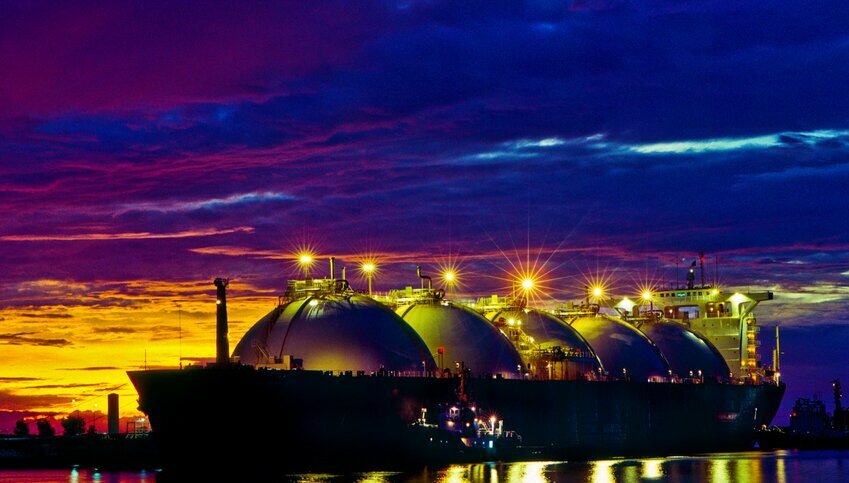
[{"x": 461, "y": 431}]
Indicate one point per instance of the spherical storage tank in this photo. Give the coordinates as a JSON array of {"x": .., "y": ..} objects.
[
  {"x": 548, "y": 332},
  {"x": 340, "y": 333},
  {"x": 465, "y": 336},
  {"x": 686, "y": 351},
  {"x": 620, "y": 347},
  {"x": 546, "y": 329}
]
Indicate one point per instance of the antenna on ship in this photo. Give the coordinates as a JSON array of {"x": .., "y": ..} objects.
[
  {"x": 691, "y": 276},
  {"x": 716, "y": 270},
  {"x": 180, "y": 330},
  {"x": 702, "y": 266},
  {"x": 776, "y": 354}
]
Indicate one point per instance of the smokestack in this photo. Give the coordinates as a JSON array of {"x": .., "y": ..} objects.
[
  {"x": 424, "y": 277},
  {"x": 343, "y": 274},
  {"x": 332, "y": 267},
  {"x": 222, "y": 344},
  {"x": 112, "y": 414}
]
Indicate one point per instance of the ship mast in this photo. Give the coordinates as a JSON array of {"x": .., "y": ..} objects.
[{"x": 776, "y": 355}]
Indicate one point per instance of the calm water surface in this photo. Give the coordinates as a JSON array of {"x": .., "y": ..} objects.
[{"x": 778, "y": 466}]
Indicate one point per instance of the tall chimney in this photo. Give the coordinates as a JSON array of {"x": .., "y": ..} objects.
[
  {"x": 112, "y": 414},
  {"x": 332, "y": 267},
  {"x": 343, "y": 274},
  {"x": 222, "y": 343},
  {"x": 424, "y": 277}
]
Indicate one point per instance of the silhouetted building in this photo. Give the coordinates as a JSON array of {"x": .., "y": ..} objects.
[
  {"x": 113, "y": 413},
  {"x": 809, "y": 417}
]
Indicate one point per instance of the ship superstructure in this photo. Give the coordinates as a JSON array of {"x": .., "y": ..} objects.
[{"x": 726, "y": 319}]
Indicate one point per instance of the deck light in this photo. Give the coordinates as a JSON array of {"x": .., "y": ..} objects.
[
  {"x": 368, "y": 268},
  {"x": 305, "y": 259}
]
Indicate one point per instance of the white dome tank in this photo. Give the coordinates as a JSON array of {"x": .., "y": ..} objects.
[
  {"x": 686, "y": 351},
  {"x": 550, "y": 332},
  {"x": 465, "y": 336},
  {"x": 338, "y": 333},
  {"x": 621, "y": 348}
]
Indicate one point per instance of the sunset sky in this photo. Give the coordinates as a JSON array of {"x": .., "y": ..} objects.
[{"x": 147, "y": 148}]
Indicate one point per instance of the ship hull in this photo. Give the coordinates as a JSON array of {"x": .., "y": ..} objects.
[{"x": 225, "y": 414}]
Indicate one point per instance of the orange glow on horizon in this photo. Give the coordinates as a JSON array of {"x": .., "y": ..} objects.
[{"x": 73, "y": 343}]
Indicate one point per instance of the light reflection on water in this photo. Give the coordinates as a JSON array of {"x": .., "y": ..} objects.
[
  {"x": 602, "y": 471},
  {"x": 652, "y": 469},
  {"x": 749, "y": 467},
  {"x": 752, "y": 467}
]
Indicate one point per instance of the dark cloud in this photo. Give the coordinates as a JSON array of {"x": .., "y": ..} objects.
[
  {"x": 167, "y": 332},
  {"x": 164, "y": 62},
  {"x": 91, "y": 368},
  {"x": 65, "y": 386},
  {"x": 114, "y": 330},
  {"x": 46, "y": 315},
  {"x": 11, "y": 401},
  {"x": 25, "y": 338}
]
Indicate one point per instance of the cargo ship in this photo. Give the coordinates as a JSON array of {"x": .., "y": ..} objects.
[{"x": 335, "y": 377}]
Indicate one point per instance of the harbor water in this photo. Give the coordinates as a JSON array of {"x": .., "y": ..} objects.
[{"x": 776, "y": 466}]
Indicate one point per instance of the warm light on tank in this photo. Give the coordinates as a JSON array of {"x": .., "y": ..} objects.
[
  {"x": 448, "y": 276},
  {"x": 626, "y": 304},
  {"x": 714, "y": 292},
  {"x": 646, "y": 295},
  {"x": 598, "y": 291},
  {"x": 527, "y": 284}
]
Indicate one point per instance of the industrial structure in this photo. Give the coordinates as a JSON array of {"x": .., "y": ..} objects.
[{"x": 350, "y": 373}]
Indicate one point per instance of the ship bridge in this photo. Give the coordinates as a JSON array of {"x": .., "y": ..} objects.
[{"x": 726, "y": 319}]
